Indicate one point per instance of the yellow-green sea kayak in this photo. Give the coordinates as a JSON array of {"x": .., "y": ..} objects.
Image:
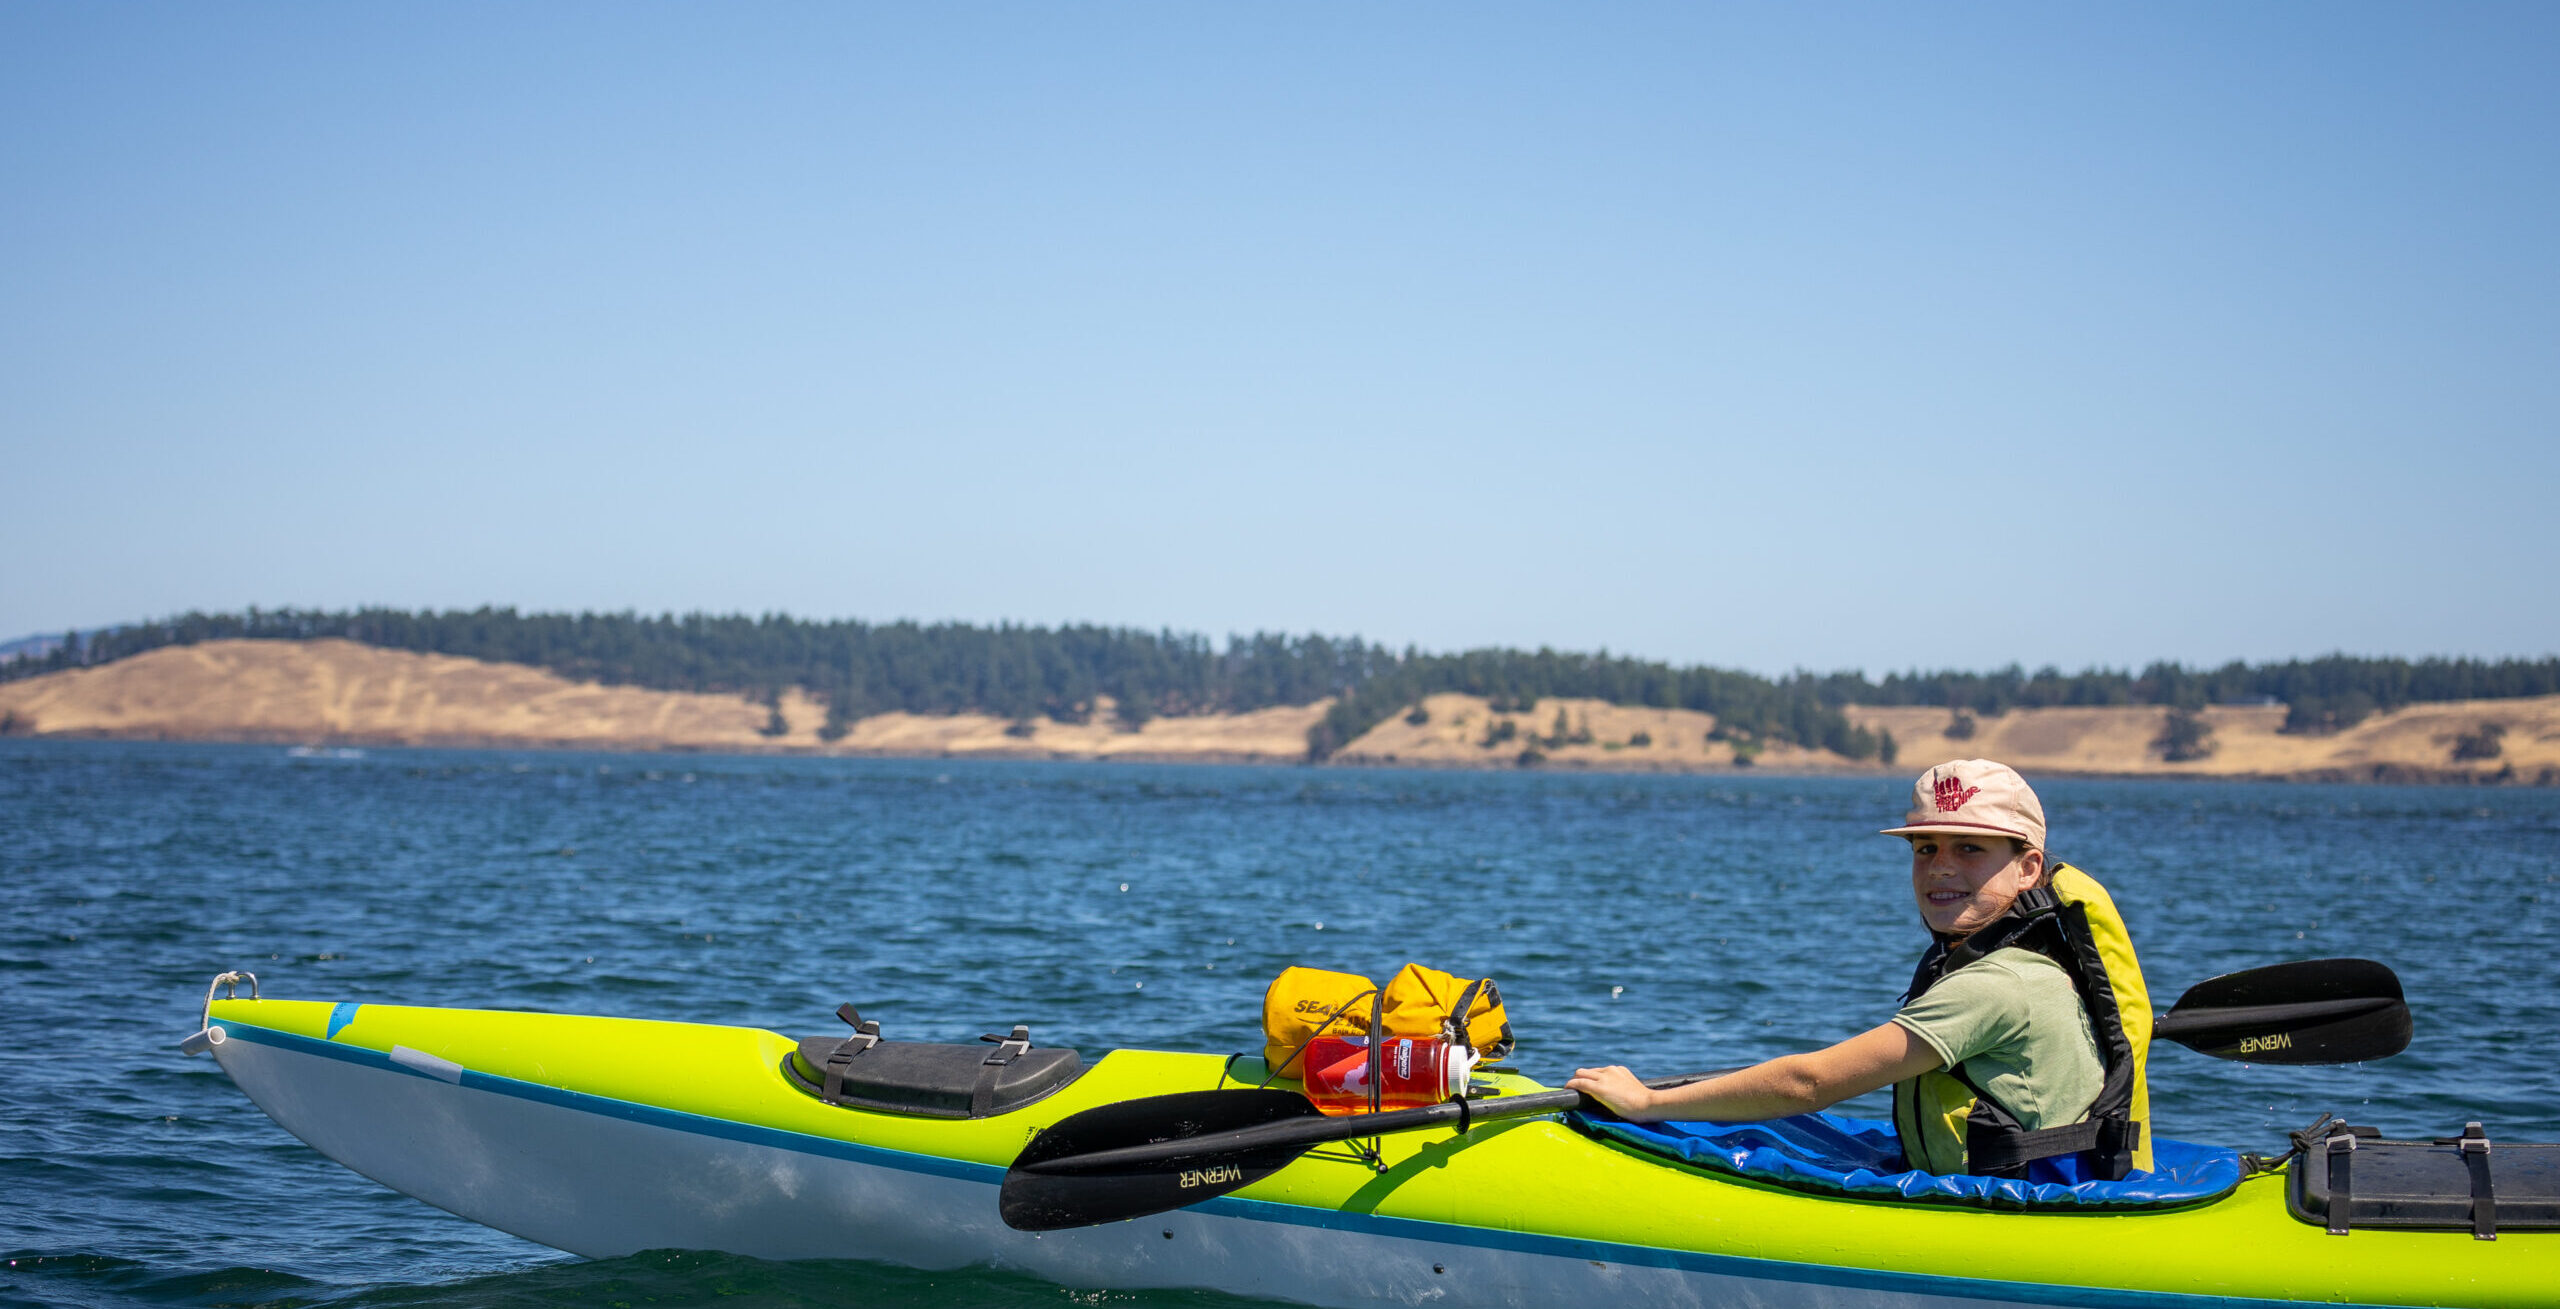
[{"x": 605, "y": 1136}]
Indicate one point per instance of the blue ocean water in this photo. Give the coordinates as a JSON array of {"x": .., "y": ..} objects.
[{"x": 1670, "y": 922}]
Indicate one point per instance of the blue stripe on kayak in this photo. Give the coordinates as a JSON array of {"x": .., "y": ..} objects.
[
  {"x": 340, "y": 1015},
  {"x": 1558, "y": 1247},
  {"x": 1738, "y": 1266}
]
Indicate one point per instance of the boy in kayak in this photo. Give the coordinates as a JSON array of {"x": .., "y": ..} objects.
[{"x": 2010, "y": 1055}]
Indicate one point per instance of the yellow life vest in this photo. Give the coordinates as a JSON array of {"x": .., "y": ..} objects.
[{"x": 1948, "y": 1125}]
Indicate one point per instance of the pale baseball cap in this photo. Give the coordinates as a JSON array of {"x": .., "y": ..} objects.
[{"x": 1974, "y": 795}]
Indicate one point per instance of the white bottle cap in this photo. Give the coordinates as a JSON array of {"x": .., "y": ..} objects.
[{"x": 1461, "y": 1065}]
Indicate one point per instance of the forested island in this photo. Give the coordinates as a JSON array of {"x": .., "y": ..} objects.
[{"x": 847, "y": 671}]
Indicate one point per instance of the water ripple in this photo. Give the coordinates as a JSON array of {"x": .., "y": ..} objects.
[{"x": 1736, "y": 917}]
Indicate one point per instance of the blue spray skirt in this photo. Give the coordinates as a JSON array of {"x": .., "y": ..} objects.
[{"x": 1833, "y": 1155}]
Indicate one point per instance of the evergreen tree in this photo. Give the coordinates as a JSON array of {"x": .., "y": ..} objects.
[{"x": 1021, "y": 672}]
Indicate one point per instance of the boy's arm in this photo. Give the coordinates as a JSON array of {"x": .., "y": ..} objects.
[{"x": 1788, "y": 1084}]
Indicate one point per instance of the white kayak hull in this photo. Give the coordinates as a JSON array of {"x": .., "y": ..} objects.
[{"x": 602, "y": 1178}]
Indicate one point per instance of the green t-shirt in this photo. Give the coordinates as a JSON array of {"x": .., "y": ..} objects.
[{"x": 2020, "y": 1032}]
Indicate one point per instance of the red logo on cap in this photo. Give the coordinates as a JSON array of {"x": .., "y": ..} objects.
[{"x": 1952, "y": 793}]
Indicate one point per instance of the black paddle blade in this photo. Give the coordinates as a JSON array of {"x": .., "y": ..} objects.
[
  {"x": 1037, "y": 1201},
  {"x": 2314, "y": 1011}
]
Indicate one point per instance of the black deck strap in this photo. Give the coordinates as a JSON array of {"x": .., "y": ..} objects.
[
  {"x": 2252, "y": 1165},
  {"x": 865, "y": 1035},
  {"x": 982, "y": 1097},
  {"x": 2342, "y": 1154},
  {"x": 2474, "y": 1144}
]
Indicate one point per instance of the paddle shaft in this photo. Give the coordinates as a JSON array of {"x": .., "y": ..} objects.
[{"x": 1317, "y": 1131}]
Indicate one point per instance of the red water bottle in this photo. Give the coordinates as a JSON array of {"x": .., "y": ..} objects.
[{"x": 1410, "y": 1071}]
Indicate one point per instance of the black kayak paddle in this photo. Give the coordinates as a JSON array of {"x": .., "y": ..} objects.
[
  {"x": 1140, "y": 1157},
  {"x": 2315, "y": 1011}
]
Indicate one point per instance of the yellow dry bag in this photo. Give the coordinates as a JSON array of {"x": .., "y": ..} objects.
[{"x": 1304, "y": 1003}]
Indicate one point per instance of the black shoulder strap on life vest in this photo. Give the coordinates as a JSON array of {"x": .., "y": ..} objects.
[
  {"x": 1995, "y": 1143},
  {"x": 1933, "y": 966}
]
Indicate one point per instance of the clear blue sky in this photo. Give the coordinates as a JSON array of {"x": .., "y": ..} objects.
[{"x": 1764, "y": 336}]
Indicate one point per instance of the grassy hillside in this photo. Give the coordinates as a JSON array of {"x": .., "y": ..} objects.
[{"x": 853, "y": 671}]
